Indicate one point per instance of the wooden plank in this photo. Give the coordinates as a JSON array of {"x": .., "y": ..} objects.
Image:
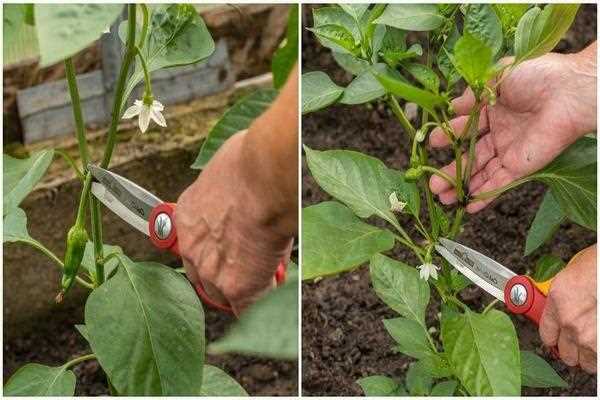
[{"x": 45, "y": 110}]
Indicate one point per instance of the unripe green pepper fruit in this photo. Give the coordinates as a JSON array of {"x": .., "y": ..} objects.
[
  {"x": 76, "y": 240},
  {"x": 412, "y": 174}
]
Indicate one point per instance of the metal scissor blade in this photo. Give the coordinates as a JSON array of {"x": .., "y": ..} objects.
[
  {"x": 110, "y": 201},
  {"x": 131, "y": 196},
  {"x": 485, "y": 272}
]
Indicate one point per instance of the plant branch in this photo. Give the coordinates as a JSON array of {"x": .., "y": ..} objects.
[
  {"x": 397, "y": 110},
  {"x": 489, "y": 306},
  {"x": 120, "y": 88},
  {"x": 147, "y": 81},
  {"x": 439, "y": 173},
  {"x": 144, "y": 26},
  {"x": 77, "y": 113},
  {"x": 77, "y": 360},
  {"x": 97, "y": 239},
  {"x": 71, "y": 163},
  {"x": 499, "y": 191}
]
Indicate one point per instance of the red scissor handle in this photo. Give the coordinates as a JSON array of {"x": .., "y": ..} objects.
[
  {"x": 522, "y": 295},
  {"x": 163, "y": 235}
]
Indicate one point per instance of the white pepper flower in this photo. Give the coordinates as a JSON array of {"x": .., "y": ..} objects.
[
  {"x": 395, "y": 204},
  {"x": 106, "y": 30},
  {"x": 428, "y": 269},
  {"x": 146, "y": 112}
]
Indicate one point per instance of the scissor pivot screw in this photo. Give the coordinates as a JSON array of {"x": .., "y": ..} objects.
[
  {"x": 518, "y": 294},
  {"x": 162, "y": 225}
]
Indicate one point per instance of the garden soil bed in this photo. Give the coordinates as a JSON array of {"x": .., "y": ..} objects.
[{"x": 343, "y": 338}]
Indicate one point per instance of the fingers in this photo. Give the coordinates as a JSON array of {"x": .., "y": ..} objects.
[
  {"x": 549, "y": 326},
  {"x": 438, "y": 138},
  {"x": 567, "y": 348},
  {"x": 484, "y": 152},
  {"x": 462, "y": 105}
]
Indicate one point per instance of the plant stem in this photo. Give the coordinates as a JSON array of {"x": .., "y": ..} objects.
[
  {"x": 439, "y": 173},
  {"x": 416, "y": 249},
  {"x": 120, "y": 88},
  {"x": 71, "y": 163},
  {"x": 499, "y": 191},
  {"x": 458, "y": 216},
  {"x": 147, "y": 81},
  {"x": 77, "y": 360},
  {"x": 397, "y": 110},
  {"x": 77, "y": 113},
  {"x": 144, "y": 25},
  {"x": 472, "y": 133},
  {"x": 40, "y": 247},
  {"x": 97, "y": 239},
  {"x": 489, "y": 306}
]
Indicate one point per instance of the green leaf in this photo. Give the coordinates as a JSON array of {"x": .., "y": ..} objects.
[
  {"x": 286, "y": 56},
  {"x": 334, "y": 15},
  {"x": 539, "y": 31},
  {"x": 483, "y": 351},
  {"x": 443, "y": 61},
  {"x": 21, "y": 175},
  {"x": 409, "y": 335},
  {"x": 509, "y": 14},
  {"x": 436, "y": 365},
  {"x": 536, "y": 372},
  {"x": 337, "y": 35},
  {"x": 418, "y": 381},
  {"x": 482, "y": 22},
  {"x": 65, "y": 29},
  {"x": 439, "y": 221},
  {"x": 20, "y": 39},
  {"x": 378, "y": 385},
  {"x": 365, "y": 87},
  {"x": 350, "y": 63},
  {"x": 572, "y": 180},
  {"x": 239, "y": 117},
  {"x": 15, "y": 227},
  {"x": 424, "y": 75},
  {"x": 445, "y": 388},
  {"x": 393, "y": 57},
  {"x": 546, "y": 267},
  {"x": 472, "y": 59},
  {"x": 269, "y": 328},
  {"x": 547, "y": 220},
  {"x": 82, "y": 329},
  {"x": 216, "y": 382},
  {"x": 40, "y": 380},
  {"x": 400, "y": 287},
  {"x": 335, "y": 240},
  {"x": 176, "y": 36},
  {"x": 356, "y": 11},
  {"x": 459, "y": 281},
  {"x": 154, "y": 313},
  {"x": 361, "y": 182},
  {"x": 408, "y": 92},
  {"x": 318, "y": 91},
  {"x": 89, "y": 263},
  {"x": 411, "y": 17}
]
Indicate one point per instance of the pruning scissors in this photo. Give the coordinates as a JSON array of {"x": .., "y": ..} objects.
[
  {"x": 520, "y": 293},
  {"x": 151, "y": 216}
]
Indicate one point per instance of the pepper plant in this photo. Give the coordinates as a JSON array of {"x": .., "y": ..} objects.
[
  {"x": 143, "y": 320},
  {"x": 452, "y": 46}
]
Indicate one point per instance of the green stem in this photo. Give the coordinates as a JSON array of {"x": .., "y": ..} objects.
[
  {"x": 458, "y": 216},
  {"x": 147, "y": 81},
  {"x": 472, "y": 134},
  {"x": 78, "y": 360},
  {"x": 416, "y": 249},
  {"x": 57, "y": 261},
  {"x": 144, "y": 26},
  {"x": 499, "y": 191},
  {"x": 120, "y": 88},
  {"x": 77, "y": 113},
  {"x": 97, "y": 239},
  {"x": 397, "y": 110},
  {"x": 489, "y": 306},
  {"x": 71, "y": 163},
  {"x": 87, "y": 184},
  {"x": 439, "y": 173}
]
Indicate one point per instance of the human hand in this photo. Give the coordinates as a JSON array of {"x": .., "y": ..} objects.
[
  {"x": 569, "y": 318},
  {"x": 542, "y": 107},
  {"x": 226, "y": 232}
]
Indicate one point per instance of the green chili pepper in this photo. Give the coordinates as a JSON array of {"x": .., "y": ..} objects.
[
  {"x": 412, "y": 174},
  {"x": 76, "y": 240}
]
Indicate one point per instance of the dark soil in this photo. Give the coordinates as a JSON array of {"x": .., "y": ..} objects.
[
  {"x": 51, "y": 338},
  {"x": 343, "y": 338}
]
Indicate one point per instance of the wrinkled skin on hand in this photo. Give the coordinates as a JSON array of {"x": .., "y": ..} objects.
[
  {"x": 542, "y": 107},
  {"x": 569, "y": 318},
  {"x": 225, "y": 233}
]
